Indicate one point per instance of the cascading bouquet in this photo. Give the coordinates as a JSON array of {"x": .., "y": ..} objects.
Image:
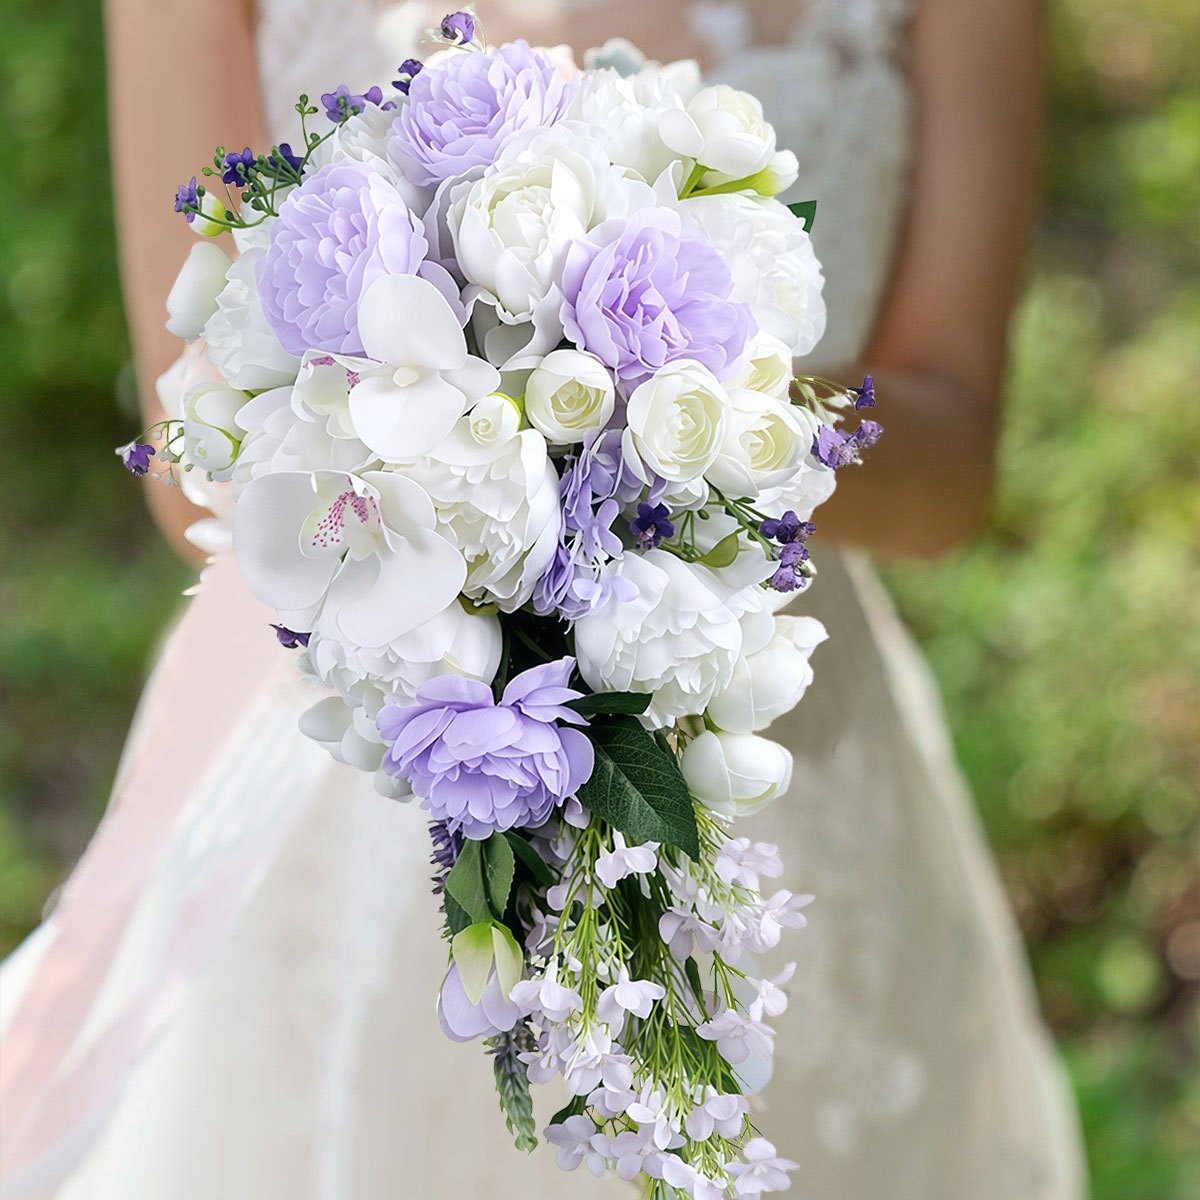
[{"x": 499, "y": 393}]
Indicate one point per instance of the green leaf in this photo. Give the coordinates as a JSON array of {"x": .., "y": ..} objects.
[
  {"x": 499, "y": 866},
  {"x": 457, "y": 917},
  {"x": 723, "y": 553},
  {"x": 637, "y": 787},
  {"x": 806, "y": 211},
  {"x": 573, "y": 1109},
  {"x": 612, "y": 703},
  {"x": 510, "y": 960},
  {"x": 473, "y": 954},
  {"x": 465, "y": 883},
  {"x": 533, "y": 861}
]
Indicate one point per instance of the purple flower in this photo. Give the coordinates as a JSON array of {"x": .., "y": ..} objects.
[
  {"x": 791, "y": 533},
  {"x": 283, "y": 155},
  {"x": 342, "y": 229},
  {"x": 459, "y": 28},
  {"x": 483, "y": 767},
  {"x": 237, "y": 166},
  {"x": 135, "y": 457},
  {"x": 187, "y": 200},
  {"x": 864, "y": 397},
  {"x": 639, "y": 294},
  {"x": 788, "y": 528},
  {"x": 652, "y": 525},
  {"x": 341, "y": 104},
  {"x": 837, "y": 449},
  {"x": 289, "y": 639},
  {"x": 462, "y": 110},
  {"x": 447, "y": 847},
  {"x": 408, "y": 70}
]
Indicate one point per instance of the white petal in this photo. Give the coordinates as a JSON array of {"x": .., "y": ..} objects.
[
  {"x": 406, "y": 321},
  {"x": 400, "y": 423}
]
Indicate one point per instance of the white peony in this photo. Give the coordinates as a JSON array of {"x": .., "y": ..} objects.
[
  {"x": 676, "y": 421},
  {"x": 736, "y": 774},
  {"x": 567, "y": 395},
  {"x": 736, "y": 140},
  {"x": 495, "y": 492},
  {"x": 771, "y": 681},
  {"x": 211, "y": 434},
  {"x": 364, "y": 138},
  {"x": 765, "y": 441},
  {"x": 193, "y": 296},
  {"x": 349, "y": 735},
  {"x": 774, "y": 267},
  {"x": 672, "y": 629}
]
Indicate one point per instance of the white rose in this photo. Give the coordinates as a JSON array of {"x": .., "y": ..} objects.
[
  {"x": 495, "y": 492},
  {"x": 193, "y": 296},
  {"x": 764, "y": 444},
  {"x": 769, "y": 367},
  {"x": 774, "y": 267},
  {"x": 676, "y": 420},
  {"x": 667, "y": 628},
  {"x": 770, "y": 682},
  {"x": 737, "y": 141},
  {"x": 736, "y": 773},
  {"x": 512, "y": 227},
  {"x": 568, "y": 394},
  {"x": 809, "y": 485},
  {"x": 211, "y": 434}
]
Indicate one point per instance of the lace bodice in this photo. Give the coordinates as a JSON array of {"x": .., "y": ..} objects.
[{"x": 830, "y": 74}]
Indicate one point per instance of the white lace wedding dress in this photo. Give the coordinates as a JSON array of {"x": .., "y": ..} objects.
[{"x": 265, "y": 1029}]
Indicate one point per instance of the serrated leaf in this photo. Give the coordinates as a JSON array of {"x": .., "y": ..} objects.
[
  {"x": 473, "y": 954},
  {"x": 806, "y": 211},
  {"x": 465, "y": 883},
  {"x": 537, "y": 867},
  {"x": 723, "y": 553},
  {"x": 509, "y": 958},
  {"x": 637, "y": 787},
  {"x": 611, "y": 704},
  {"x": 499, "y": 866}
]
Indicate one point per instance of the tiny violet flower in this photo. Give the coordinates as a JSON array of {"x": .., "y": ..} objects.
[
  {"x": 762, "y": 1170},
  {"x": 341, "y": 104},
  {"x": 623, "y": 860},
  {"x": 652, "y": 526},
  {"x": 289, "y": 639},
  {"x": 283, "y": 155},
  {"x": 135, "y": 457},
  {"x": 187, "y": 200},
  {"x": 864, "y": 396},
  {"x": 836, "y": 449},
  {"x": 787, "y": 529},
  {"x": 458, "y": 28},
  {"x": 408, "y": 70},
  {"x": 236, "y": 167},
  {"x": 627, "y": 996}
]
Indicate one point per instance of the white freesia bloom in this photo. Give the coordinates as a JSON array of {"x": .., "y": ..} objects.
[
  {"x": 512, "y": 227},
  {"x": 676, "y": 420},
  {"x": 422, "y": 379},
  {"x": 495, "y": 492},
  {"x": 211, "y": 435},
  {"x": 764, "y": 443},
  {"x": 567, "y": 395},
  {"x": 774, "y": 267},
  {"x": 736, "y": 139},
  {"x": 736, "y": 773},
  {"x": 772, "y": 681},
  {"x": 361, "y": 553},
  {"x": 672, "y": 630},
  {"x": 193, "y": 296}
]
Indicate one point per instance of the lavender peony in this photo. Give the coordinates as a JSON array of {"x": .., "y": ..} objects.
[
  {"x": 460, "y": 111},
  {"x": 483, "y": 767},
  {"x": 640, "y": 293},
  {"x": 341, "y": 230}
]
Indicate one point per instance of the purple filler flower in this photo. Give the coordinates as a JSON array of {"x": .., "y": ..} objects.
[
  {"x": 408, "y": 70},
  {"x": 483, "y": 767},
  {"x": 788, "y": 528},
  {"x": 283, "y": 156},
  {"x": 864, "y": 397},
  {"x": 289, "y": 639},
  {"x": 341, "y": 104},
  {"x": 639, "y": 294},
  {"x": 187, "y": 200},
  {"x": 236, "y": 166},
  {"x": 837, "y": 449},
  {"x": 459, "y": 28},
  {"x": 135, "y": 457},
  {"x": 652, "y": 525},
  {"x": 342, "y": 229},
  {"x": 463, "y": 109}
]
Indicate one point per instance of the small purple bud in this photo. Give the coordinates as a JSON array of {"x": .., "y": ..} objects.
[
  {"x": 289, "y": 639},
  {"x": 283, "y": 154},
  {"x": 408, "y": 70},
  {"x": 459, "y": 28},
  {"x": 864, "y": 397},
  {"x": 135, "y": 457},
  {"x": 237, "y": 167},
  {"x": 187, "y": 200}
]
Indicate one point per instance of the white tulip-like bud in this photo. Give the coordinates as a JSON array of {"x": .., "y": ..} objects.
[
  {"x": 738, "y": 140},
  {"x": 211, "y": 434},
  {"x": 209, "y": 221},
  {"x": 736, "y": 774},
  {"x": 567, "y": 395},
  {"x": 676, "y": 421},
  {"x": 772, "y": 681},
  {"x": 193, "y": 296}
]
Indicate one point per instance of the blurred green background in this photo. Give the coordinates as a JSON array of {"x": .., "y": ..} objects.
[{"x": 1066, "y": 639}]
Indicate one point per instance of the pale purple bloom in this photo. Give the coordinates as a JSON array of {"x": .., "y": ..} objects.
[
  {"x": 686, "y": 1178},
  {"x": 458, "y": 27},
  {"x": 684, "y": 933},
  {"x": 463, "y": 1021},
  {"x": 837, "y": 449},
  {"x": 627, "y": 995},
  {"x": 651, "y": 1112},
  {"x": 462, "y": 110},
  {"x": 235, "y": 167},
  {"x": 762, "y": 1170},
  {"x": 342, "y": 229},
  {"x": 742, "y": 861},
  {"x": 623, "y": 860},
  {"x": 187, "y": 200},
  {"x": 289, "y": 639},
  {"x": 575, "y": 1138},
  {"x": 738, "y": 1038},
  {"x": 640, "y": 293},
  {"x": 630, "y": 1149},
  {"x": 546, "y": 996},
  {"x": 135, "y": 457},
  {"x": 770, "y": 1000},
  {"x": 484, "y": 767},
  {"x": 772, "y": 915},
  {"x": 341, "y": 104},
  {"x": 722, "y": 1114}
]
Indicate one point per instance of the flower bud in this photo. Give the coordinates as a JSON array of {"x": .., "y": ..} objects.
[
  {"x": 211, "y": 434},
  {"x": 736, "y": 773},
  {"x": 738, "y": 141},
  {"x": 209, "y": 221},
  {"x": 568, "y": 395},
  {"x": 193, "y": 296}
]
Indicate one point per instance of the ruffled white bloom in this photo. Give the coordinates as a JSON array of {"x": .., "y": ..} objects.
[
  {"x": 364, "y": 138},
  {"x": 512, "y": 227},
  {"x": 774, "y": 267},
  {"x": 211, "y": 435},
  {"x": 671, "y": 630},
  {"x": 361, "y": 553},
  {"x": 350, "y": 737},
  {"x": 772, "y": 681},
  {"x": 495, "y": 493},
  {"x": 404, "y": 407},
  {"x": 193, "y": 296},
  {"x": 765, "y": 441},
  {"x": 736, "y": 773},
  {"x": 736, "y": 140},
  {"x": 677, "y": 421},
  {"x": 567, "y": 395}
]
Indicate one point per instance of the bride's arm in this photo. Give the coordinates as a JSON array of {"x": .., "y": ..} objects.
[
  {"x": 939, "y": 350},
  {"x": 182, "y": 79}
]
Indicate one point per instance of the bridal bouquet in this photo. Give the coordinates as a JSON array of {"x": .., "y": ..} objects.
[{"x": 499, "y": 394}]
